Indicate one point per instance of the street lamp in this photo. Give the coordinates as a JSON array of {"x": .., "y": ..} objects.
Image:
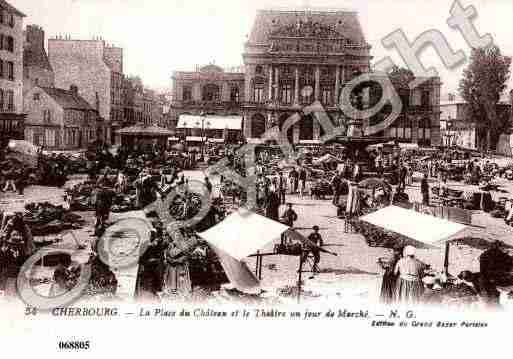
[{"x": 203, "y": 116}]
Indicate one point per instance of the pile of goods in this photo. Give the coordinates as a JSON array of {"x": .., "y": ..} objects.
[
  {"x": 291, "y": 249},
  {"x": 447, "y": 192},
  {"x": 124, "y": 203},
  {"x": 77, "y": 164},
  {"x": 46, "y": 218},
  {"x": 378, "y": 237},
  {"x": 80, "y": 196},
  {"x": 205, "y": 269},
  {"x": 185, "y": 206},
  {"x": 52, "y": 171},
  {"x": 458, "y": 294},
  {"x": 103, "y": 281},
  {"x": 455, "y": 173},
  {"x": 320, "y": 189},
  {"x": 231, "y": 189}
]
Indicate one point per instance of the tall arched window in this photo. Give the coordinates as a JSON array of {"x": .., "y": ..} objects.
[
  {"x": 258, "y": 91},
  {"x": 234, "y": 94},
  {"x": 211, "y": 92}
]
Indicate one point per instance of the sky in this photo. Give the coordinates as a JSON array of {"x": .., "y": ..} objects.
[{"x": 161, "y": 36}]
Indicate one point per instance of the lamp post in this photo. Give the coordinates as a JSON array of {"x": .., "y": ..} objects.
[{"x": 203, "y": 116}]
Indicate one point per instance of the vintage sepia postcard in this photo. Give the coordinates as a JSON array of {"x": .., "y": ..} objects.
[{"x": 303, "y": 178}]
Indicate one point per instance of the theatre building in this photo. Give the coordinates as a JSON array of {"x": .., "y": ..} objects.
[{"x": 293, "y": 58}]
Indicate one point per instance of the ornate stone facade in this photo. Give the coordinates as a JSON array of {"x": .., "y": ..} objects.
[
  {"x": 291, "y": 59},
  {"x": 294, "y": 58}
]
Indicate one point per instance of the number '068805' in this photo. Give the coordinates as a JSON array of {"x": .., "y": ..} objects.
[{"x": 75, "y": 345}]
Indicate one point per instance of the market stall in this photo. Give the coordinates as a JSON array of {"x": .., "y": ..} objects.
[
  {"x": 142, "y": 136},
  {"x": 259, "y": 232}
]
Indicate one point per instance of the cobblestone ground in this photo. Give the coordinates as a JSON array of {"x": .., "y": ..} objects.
[{"x": 353, "y": 273}]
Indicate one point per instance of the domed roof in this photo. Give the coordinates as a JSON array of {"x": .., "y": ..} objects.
[{"x": 211, "y": 68}]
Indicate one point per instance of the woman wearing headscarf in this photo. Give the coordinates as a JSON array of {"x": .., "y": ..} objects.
[
  {"x": 389, "y": 283},
  {"x": 410, "y": 271}
]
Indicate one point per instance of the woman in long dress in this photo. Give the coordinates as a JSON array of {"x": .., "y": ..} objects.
[
  {"x": 389, "y": 282},
  {"x": 410, "y": 271}
]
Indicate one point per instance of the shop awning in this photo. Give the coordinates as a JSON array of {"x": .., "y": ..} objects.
[
  {"x": 216, "y": 140},
  {"x": 211, "y": 122},
  {"x": 310, "y": 142},
  {"x": 255, "y": 141},
  {"x": 173, "y": 139},
  {"x": 417, "y": 226},
  {"x": 141, "y": 130},
  {"x": 195, "y": 139}
]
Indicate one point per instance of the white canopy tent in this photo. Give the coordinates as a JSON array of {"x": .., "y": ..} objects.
[
  {"x": 238, "y": 236},
  {"x": 243, "y": 233},
  {"x": 420, "y": 227},
  {"x": 417, "y": 226}
]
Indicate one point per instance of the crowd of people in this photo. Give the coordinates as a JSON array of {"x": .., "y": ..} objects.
[
  {"x": 150, "y": 174},
  {"x": 408, "y": 280}
]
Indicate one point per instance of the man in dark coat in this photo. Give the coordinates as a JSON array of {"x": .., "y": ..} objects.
[
  {"x": 316, "y": 239},
  {"x": 289, "y": 216},
  {"x": 495, "y": 264},
  {"x": 336, "y": 186},
  {"x": 293, "y": 176},
  {"x": 424, "y": 190},
  {"x": 103, "y": 205},
  {"x": 272, "y": 206},
  {"x": 282, "y": 187},
  {"x": 403, "y": 171}
]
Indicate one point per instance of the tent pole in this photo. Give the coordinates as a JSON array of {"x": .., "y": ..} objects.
[
  {"x": 257, "y": 262},
  {"x": 300, "y": 273},
  {"x": 446, "y": 259},
  {"x": 260, "y": 268}
]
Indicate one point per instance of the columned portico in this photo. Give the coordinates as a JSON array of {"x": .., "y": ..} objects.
[
  {"x": 296, "y": 86},
  {"x": 303, "y": 51},
  {"x": 317, "y": 83},
  {"x": 270, "y": 90},
  {"x": 337, "y": 84}
]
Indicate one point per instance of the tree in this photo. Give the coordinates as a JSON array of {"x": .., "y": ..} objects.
[{"x": 482, "y": 84}]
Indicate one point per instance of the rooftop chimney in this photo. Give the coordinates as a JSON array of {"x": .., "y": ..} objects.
[
  {"x": 74, "y": 89},
  {"x": 35, "y": 37}
]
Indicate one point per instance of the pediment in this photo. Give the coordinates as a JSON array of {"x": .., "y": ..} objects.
[{"x": 306, "y": 29}]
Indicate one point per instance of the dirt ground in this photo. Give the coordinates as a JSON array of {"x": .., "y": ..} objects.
[{"x": 354, "y": 272}]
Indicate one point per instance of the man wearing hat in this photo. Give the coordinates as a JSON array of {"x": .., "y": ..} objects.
[
  {"x": 288, "y": 218},
  {"x": 315, "y": 238},
  {"x": 104, "y": 199}
]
